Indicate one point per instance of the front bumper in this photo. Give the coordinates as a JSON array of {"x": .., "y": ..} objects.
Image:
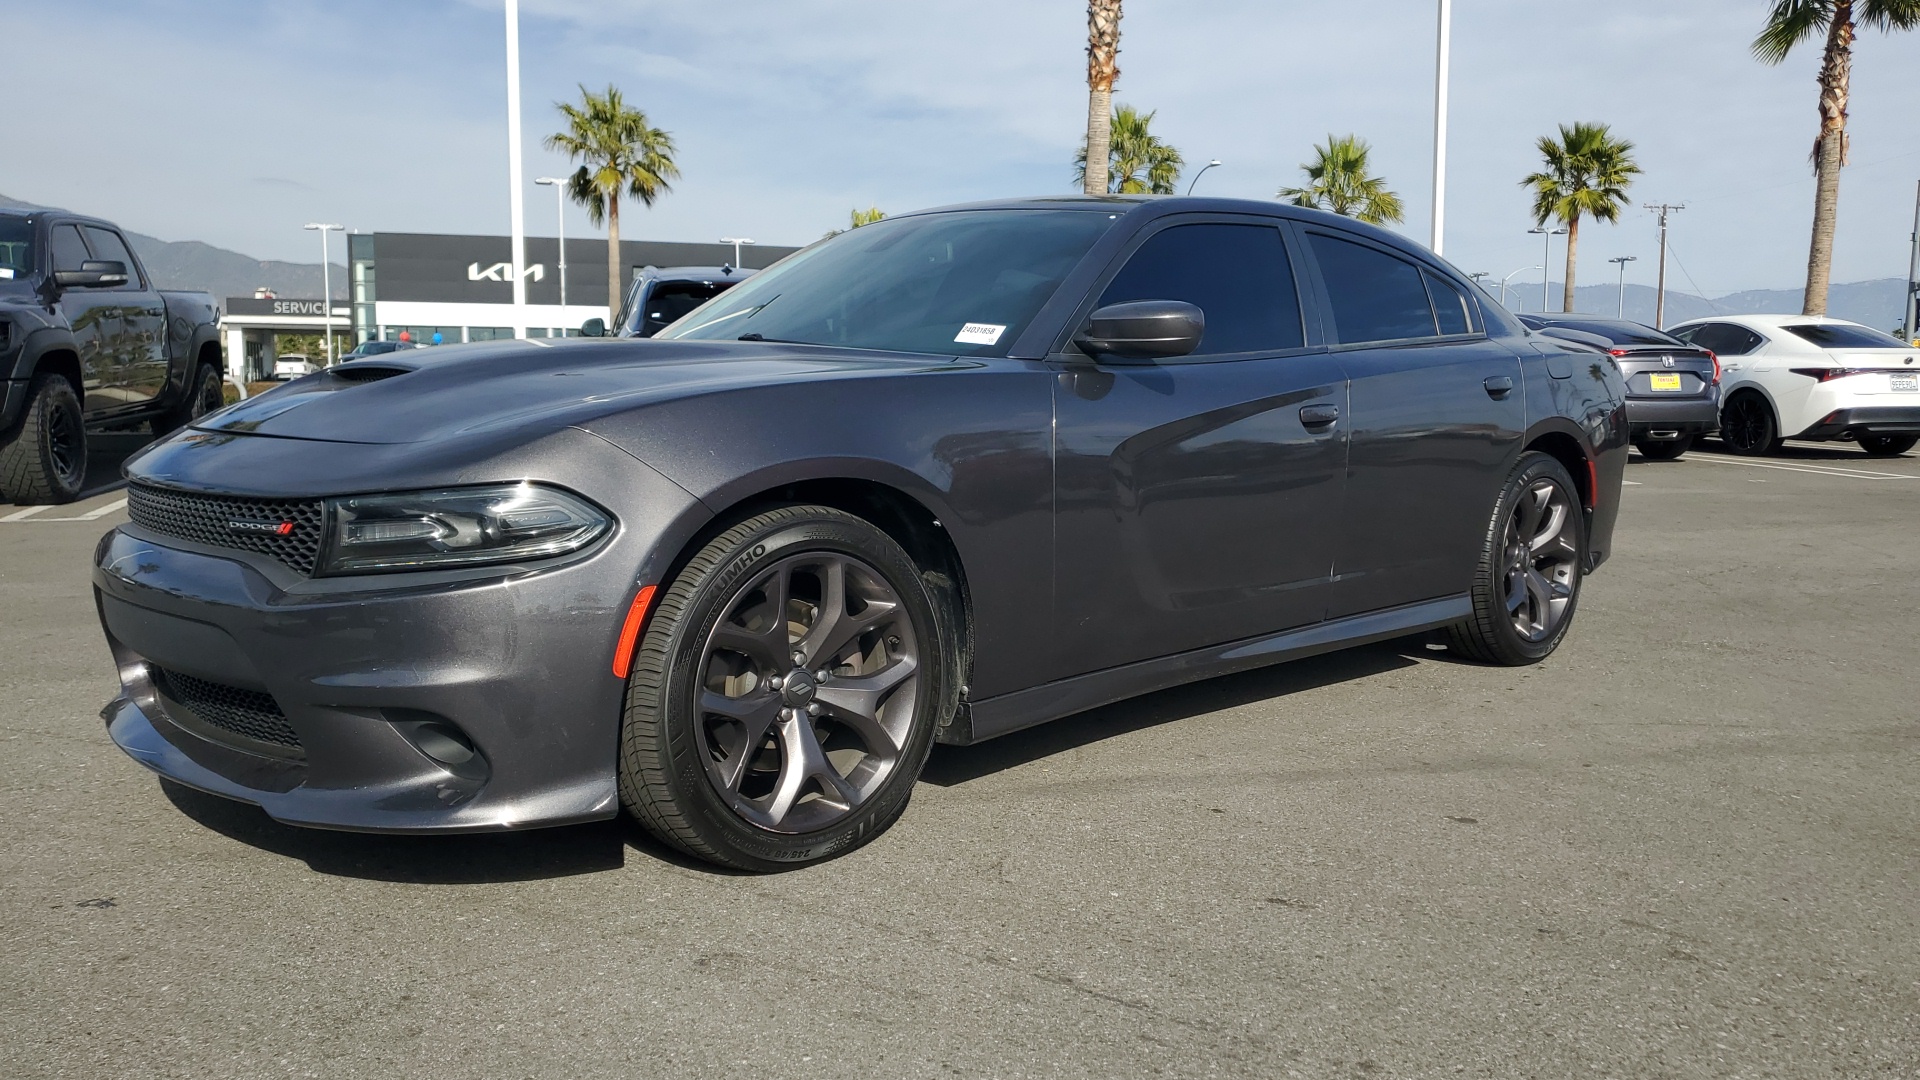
[
  {"x": 1872, "y": 420},
  {"x": 1689, "y": 416},
  {"x": 517, "y": 664}
]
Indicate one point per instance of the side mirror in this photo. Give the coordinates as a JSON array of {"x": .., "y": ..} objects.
[
  {"x": 594, "y": 328},
  {"x": 1143, "y": 329},
  {"x": 93, "y": 274}
]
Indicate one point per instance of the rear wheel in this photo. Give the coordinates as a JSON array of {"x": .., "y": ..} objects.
[
  {"x": 1888, "y": 445},
  {"x": 1747, "y": 425},
  {"x": 1664, "y": 449},
  {"x": 45, "y": 461},
  {"x": 785, "y": 694},
  {"x": 1528, "y": 581},
  {"x": 204, "y": 395}
]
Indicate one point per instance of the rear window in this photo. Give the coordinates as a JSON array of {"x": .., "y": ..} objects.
[
  {"x": 1618, "y": 331},
  {"x": 671, "y": 299},
  {"x": 1844, "y": 336}
]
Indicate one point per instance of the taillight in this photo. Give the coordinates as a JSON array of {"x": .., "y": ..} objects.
[
  {"x": 1824, "y": 374},
  {"x": 1715, "y": 357},
  {"x": 1616, "y": 352}
]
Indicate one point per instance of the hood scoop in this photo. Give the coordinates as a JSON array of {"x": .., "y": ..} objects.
[{"x": 366, "y": 371}]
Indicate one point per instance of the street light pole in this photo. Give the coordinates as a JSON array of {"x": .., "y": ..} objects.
[
  {"x": 326, "y": 283},
  {"x": 1913, "y": 278},
  {"x": 1440, "y": 127},
  {"x": 516, "y": 203},
  {"x": 1201, "y": 173},
  {"x": 1623, "y": 261},
  {"x": 736, "y": 241},
  {"x": 1509, "y": 277},
  {"x": 1546, "y": 260},
  {"x": 560, "y": 217}
]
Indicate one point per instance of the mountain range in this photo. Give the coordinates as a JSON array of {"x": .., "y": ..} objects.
[{"x": 189, "y": 264}]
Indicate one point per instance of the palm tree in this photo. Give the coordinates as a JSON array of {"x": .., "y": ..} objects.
[
  {"x": 1587, "y": 174},
  {"x": 1790, "y": 23},
  {"x": 1103, "y": 70},
  {"x": 621, "y": 151},
  {"x": 1338, "y": 180},
  {"x": 1138, "y": 162}
]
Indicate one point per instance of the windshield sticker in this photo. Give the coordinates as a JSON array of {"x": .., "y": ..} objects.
[
  {"x": 979, "y": 333},
  {"x": 6, "y": 272}
]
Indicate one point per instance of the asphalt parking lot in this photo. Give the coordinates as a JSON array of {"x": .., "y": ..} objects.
[{"x": 1687, "y": 845}]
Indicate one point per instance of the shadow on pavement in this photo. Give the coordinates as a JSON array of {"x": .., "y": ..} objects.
[
  {"x": 952, "y": 765},
  {"x": 472, "y": 859},
  {"x": 1800, "y": 451},
  {"x": 106, "y": 452}
]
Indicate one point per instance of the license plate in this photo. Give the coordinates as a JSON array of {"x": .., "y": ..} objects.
[
  {"x": 1665, "y": 380},
  {"x": 1906, "y": 383}
]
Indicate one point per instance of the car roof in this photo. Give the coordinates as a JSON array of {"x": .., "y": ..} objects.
[
  {"x": 697, "y": 273},
  {"x": 1770, "y": 322}
]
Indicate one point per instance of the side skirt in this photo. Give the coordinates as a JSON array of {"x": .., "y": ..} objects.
[{"x": 996, "y": 716}]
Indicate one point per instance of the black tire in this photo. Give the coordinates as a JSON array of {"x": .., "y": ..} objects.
[
  {"x": 1491, "y": 634},
  {"x": 1888, "y": 445},
  {"x": 204, "y": 395},
  {"x": 668, "y": 750},
  {"x": 1664, "y": 449},
  {"x": 1748, "y": 426},
  {"x": 45, "y": 459}
]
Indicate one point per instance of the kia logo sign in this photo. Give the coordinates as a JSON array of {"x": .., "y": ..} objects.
[{"x": 504, "y": 272}]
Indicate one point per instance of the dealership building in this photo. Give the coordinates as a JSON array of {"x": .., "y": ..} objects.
[{"x": 459, "y": 287}]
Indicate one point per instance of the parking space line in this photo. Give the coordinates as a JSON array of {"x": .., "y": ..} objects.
[
  {"x": 1816, "y": 470},
  {"x": 26, "y": 517},
  {"x": 103, "y": 511},
  {"x": 21, "y": 515}
]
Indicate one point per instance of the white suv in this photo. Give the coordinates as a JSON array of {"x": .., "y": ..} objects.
[{"x": 1810, "y": 377}]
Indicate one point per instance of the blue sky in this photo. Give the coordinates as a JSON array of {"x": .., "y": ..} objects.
[{"x": 235, "y": 123}]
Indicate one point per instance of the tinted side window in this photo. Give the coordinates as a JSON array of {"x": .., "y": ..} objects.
[
  {"x": 1237, "y": 274},
  {"x": 1723, "y": 338},
  {"x": 1373, "y": 296},
  {"x": 108, "y": 245},
  {"x": 1449, "y": 306},
  {"x": 670, "y": 300},
  {"x": 68, "y": 250}
]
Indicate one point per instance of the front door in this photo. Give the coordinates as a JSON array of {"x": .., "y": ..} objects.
[
  {"x": 95, "y": 317},
  {"x": 1197, "y": 498},
  {"x": 1437, "y": 411},
  {"x": 141, "y": 352}
]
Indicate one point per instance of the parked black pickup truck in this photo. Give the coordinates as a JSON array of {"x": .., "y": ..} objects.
[{"x": 87, "y": 341}]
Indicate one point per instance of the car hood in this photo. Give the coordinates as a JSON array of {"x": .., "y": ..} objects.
[{"x": 456, "y": 391}]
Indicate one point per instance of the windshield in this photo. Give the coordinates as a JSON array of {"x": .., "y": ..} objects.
[
  {"x": 1844, "y": 336},
  {"x": 16, "y": 248},
  {"x": 669, "y": 300},
  {"x": 964, "y": 283}
]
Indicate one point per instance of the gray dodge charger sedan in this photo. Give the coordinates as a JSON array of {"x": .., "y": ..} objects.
[{"x": 935, "y": 479}]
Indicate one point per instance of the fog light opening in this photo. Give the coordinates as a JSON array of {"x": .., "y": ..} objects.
[{"x": 442, "y": 742}]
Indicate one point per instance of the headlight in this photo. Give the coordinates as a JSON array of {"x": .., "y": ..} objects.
[{"x": 426, "y": 530}]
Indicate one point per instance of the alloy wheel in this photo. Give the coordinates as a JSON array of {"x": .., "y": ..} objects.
[
  {"x": 1746, "y": 425},
  {"x": 1541, "y": 559},
  {"x": 66, "y": 445},
  {"x": 806, "y": 694}
]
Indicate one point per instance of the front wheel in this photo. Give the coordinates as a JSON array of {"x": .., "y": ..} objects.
[
  {"x": 1528, "y": 580},
  {"x": 785, "y": 694},
  {"x": 45, "y": 460},
  {"x": 1664, "y": 449},
  {"x": 1747, "y": 426},
  {"x": 1888, "y": 445}
]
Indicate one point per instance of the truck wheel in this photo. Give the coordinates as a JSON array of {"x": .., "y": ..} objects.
[
  {"x": 45, "y": 461},
  {"x": 204, "y": 395}
]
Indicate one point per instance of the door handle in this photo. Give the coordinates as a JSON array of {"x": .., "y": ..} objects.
[
  {"x": 1319, "y": 415},
  {"x": 1499, "y": 386}
]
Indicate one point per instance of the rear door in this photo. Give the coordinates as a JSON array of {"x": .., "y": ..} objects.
[
  {"x": 1197, "y": 498},
  {"x": 1437, "y": 415},
  {"x": 140, "y": 352}
]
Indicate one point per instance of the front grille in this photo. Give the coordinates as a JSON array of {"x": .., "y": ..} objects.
[
  {"x": 248, "y": 713},
  {"x": 228, "y": 521}
]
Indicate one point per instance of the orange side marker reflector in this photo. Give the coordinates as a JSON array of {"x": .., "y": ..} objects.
[
  {"x": 630, "y": 632},
  {"x": 1593, "y": 484}
]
